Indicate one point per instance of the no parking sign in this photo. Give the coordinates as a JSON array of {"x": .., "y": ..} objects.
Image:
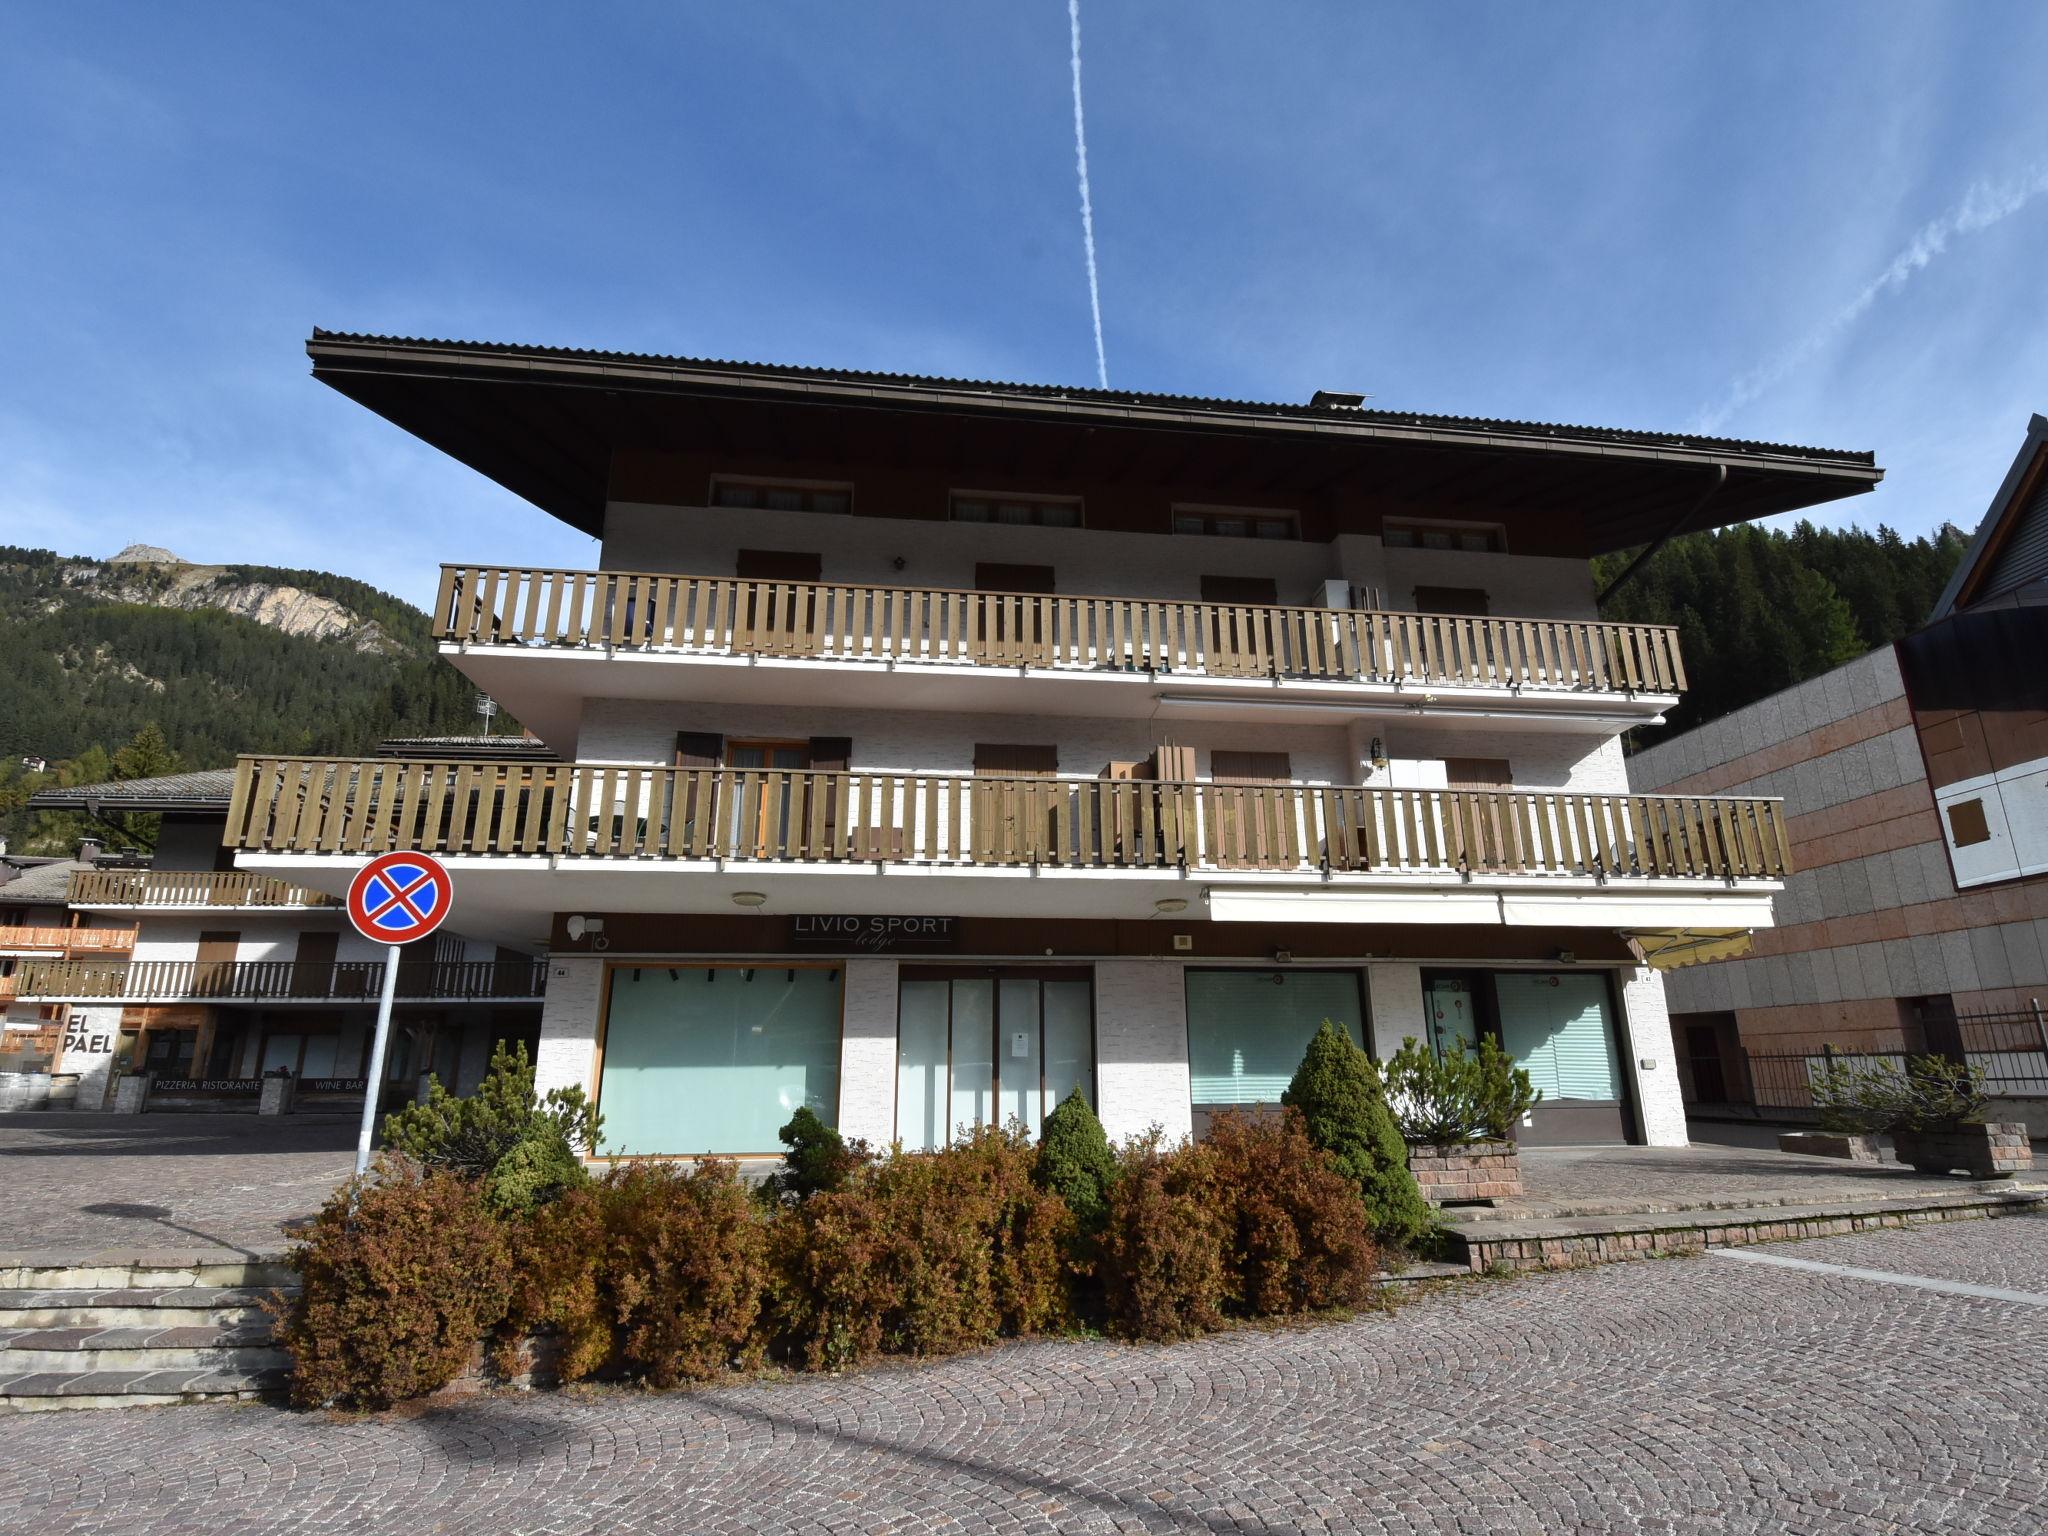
[
  {"x": 399, "y": 897},
  {"x": 394, "y": 899}
]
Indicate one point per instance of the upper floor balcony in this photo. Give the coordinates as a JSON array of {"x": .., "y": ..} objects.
[
  {"x": 527, "y": 838},
  {"x": 423, "y": 980},
  {"x": 197, "y": 890},
  {"x": 33, "y": 941},
  {"x": 543, "y": 641}
]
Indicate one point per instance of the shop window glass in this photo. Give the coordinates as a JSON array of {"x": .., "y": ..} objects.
[
  {"x": 1248, "y": 1030},
  {"x": 1559, "y": 1027},
  {"x": 716, "y": 1059}
]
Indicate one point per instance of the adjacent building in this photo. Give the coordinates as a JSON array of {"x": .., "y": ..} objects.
[
  {"x": 206, "y": 977},
  {"x": 927, "y": 749},
  {"x": 1915, "y": 782}
]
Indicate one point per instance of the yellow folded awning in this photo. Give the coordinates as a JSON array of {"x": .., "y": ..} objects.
[{"x": 1666, "y": 949}]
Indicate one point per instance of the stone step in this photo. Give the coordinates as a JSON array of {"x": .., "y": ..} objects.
[
  {"x": 170, "y": 1307},
  {"x": 94, "y": 1349},
  {"x": 102, "y": 1272},
  {"x": 38, "y": 1391}
]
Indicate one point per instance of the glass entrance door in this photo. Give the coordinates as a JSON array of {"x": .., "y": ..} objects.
[{"x": 989, "y": 1046}]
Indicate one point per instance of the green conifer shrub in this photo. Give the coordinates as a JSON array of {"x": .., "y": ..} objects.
[
  {"x": 1344, "y": 1109},
  {"x": 1076, "y": 1161}
]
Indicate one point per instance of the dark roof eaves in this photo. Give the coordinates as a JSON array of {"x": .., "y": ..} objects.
[{"x": 1134, "y": 406}]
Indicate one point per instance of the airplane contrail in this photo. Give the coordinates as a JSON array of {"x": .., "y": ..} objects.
[
  {"x": 1984, "y": 205},
  {"x": 1087, "y": 208}
]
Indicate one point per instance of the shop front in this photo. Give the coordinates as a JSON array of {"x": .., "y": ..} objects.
[{"x": 1560, "y": 1027}]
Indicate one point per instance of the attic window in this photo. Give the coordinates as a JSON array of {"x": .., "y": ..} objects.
[
  {"x": 1017, "y": 511},
  {"x": 1237, "y": 522},
  {"x": 1465, "y": 538},
  {"x": 781, "y": 495}
]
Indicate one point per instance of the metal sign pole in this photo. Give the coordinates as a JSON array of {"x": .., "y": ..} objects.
[{"x": 373, "y": 1090}]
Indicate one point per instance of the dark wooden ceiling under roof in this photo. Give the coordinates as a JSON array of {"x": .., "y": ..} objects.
[{"x": 545, "y": 423}]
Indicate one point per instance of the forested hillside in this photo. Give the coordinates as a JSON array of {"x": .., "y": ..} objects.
[
  {"x": 1759, "y": 609},
  {"x": 223, "y": 659}
]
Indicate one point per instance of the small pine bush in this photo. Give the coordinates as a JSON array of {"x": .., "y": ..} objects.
[
  {"x": 685, "y": 1269},
  {"x": 1299, "y": 1236},
  {"x": 1163, "y": 1274},
  {"x": 400, "y": 1277},
  {"x": 1076, "y": 1162},
  {"x": 819, "y": 1159},
  {"x": 1344, "y": 1109},
  {"x": 501, "y": 1124}
]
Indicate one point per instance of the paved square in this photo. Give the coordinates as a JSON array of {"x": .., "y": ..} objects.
[{"x": 1681, "y": 1396}]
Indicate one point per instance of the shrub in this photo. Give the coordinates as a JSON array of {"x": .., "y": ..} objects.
[
  {"x": 557, "y": 1285},
  {"x": 1297, "y": 1237},
  {"x": 923, "y": 1254},
  {"x": 819, "y": 1159},
  {"x": 1458, "y": 1096},
  {"x": 498, "y": 1123},
  {"x": 1162, "y": 1242},
  {"x": 684, "y": 1269},
  {"x": 1877, "y": 1094},
  {"x": 1076, "y": 1162},
  {"x": 1337, "y": 1089},
  {"x": 400, "y": 1276}
]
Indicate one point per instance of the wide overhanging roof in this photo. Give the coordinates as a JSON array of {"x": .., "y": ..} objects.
[{"x": 544, "y": 422}]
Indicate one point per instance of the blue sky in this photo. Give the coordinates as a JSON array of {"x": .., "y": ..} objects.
[{"x": 1821, "y": 223}]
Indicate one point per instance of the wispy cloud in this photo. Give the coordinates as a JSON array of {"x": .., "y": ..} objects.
[
  {"x": 1087, "y": 207},
  {"x": 1985, "y": 204}
]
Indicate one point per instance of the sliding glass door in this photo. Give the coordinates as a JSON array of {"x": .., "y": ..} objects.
[{"x": 982, "y": 1047}]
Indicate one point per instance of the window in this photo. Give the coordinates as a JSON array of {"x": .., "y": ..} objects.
[
  {"x": 701, "y": 1059},
  {"x": 1248, "y": 1030},
  {"x": 1017, "y": 511},
  {"x": 1558, "y": 1027},
  {"x": 1007, "y": 758},
  {"x": 781, "y": 495},
  {"x": 1470, "y": 538},
  {"x": 1237, "y": 522},
  {"x": 1250, "y": 767},
  {"x": 989, "y": 1048}
]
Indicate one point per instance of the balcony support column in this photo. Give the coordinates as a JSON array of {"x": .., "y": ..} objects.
[
  {"x": 867, "y": 1051},
  {"x": 1141, "y": 1048},
  {"x": 1653, "y": 1057},
  {"x": 568, "y": 1025}
]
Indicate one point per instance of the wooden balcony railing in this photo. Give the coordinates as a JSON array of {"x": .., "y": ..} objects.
[
  {"x": 279, "y": 980},
  {"x": 190, "y": 888},
  {"x": 304, "y": 805},
  {"x": 67, "y": 940},
  {"x": 495, "y": 605}
]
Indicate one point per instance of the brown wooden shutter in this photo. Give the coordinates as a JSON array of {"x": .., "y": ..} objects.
[
  {"x": 1477, "y": 773},
  {"x": 313, "y": 964},
  {"x": 1011, "y": 758},
  {"x": 1467, "y": 601},
  {"x": 1250, "y": 768},
  {"x": 699, "y": 749},
  {"x": 780, "y": 565},
  {"x": 1241, "y": 590},
  {"x": 994, "y": 576},
  {"x": 832, "y": 753}
]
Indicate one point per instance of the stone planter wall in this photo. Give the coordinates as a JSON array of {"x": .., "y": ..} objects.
[
  {"x": 1992, "y": 1151},
  {"x": 1857, "y": 1149},
  {"x": 1466, "y": 1171}
]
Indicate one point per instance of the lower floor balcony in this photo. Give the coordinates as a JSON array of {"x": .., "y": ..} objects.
[
  {"x": 540, "y": 838},
  {"x": 276, "y": 981}
]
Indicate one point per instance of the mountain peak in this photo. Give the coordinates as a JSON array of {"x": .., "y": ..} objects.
[{"x": 146, "y": 554}]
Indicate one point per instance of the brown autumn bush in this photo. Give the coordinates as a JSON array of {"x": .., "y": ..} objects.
[
  {"x": 400, "y": 1277},
  {"x": 923, "y": 1254},
  {"x": 557, "y": 1286},
  {"x": 1162, "y": 1245},
  {"x": 1298, "y": 1235},
  {"x": 685, "y": 1269}
]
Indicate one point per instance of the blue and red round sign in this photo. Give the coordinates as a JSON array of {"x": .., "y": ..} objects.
[{"x": 399, "y": 897}]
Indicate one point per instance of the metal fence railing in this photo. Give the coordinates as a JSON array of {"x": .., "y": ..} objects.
[{"x": 2009, "y": 1045}]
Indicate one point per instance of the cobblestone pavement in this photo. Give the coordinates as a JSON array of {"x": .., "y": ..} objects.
[
  {"x": 80, "y": 1184},
  {"x": 1694, "y": 1396}
]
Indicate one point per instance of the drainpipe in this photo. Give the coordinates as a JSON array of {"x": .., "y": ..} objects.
[{"x": 1677, "y": 527}]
